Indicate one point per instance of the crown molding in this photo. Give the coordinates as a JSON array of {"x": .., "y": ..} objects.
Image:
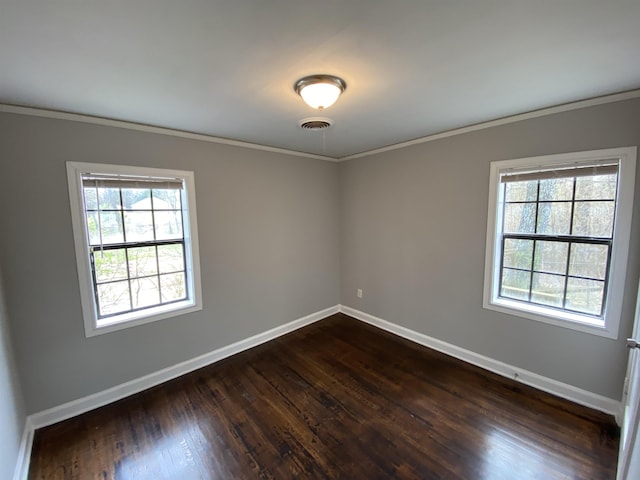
[
  {"x": 76, "y": 117},
  {"x": 565, "y": 107}
]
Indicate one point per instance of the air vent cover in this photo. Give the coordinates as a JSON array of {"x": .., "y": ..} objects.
[{"x": 315, "y": 124}]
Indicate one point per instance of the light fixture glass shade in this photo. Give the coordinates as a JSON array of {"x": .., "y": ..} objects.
[
  {"x": 320, "y": 91},
  {"x": 320, "y": 95}
]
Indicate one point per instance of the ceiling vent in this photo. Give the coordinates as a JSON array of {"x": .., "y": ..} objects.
[{"x": 315, "y": 124}]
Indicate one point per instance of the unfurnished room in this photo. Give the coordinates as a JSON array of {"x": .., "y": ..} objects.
[{"x": 319, "y": 240}]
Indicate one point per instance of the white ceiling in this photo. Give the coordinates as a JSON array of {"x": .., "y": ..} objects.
[{"x": 227, "y": 68}]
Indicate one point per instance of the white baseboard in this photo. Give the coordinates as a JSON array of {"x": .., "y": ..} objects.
[
  {"x": 24, "y": 454},
  {"x": 90, "y": 402},
  {"x": 549, "y": 385}
]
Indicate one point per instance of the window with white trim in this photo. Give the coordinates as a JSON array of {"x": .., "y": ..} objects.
[
  {"x": 136, "y": 244},
  {"x": 558, "y": 238}
]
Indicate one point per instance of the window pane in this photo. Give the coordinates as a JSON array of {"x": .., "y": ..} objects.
[
  {"x": 168, "y": 199},
  {"x": 585, "y": 295},
  {"x": 593, "y": 219},
  {"x": 92, "y": 228},
  {"x": 142, "y": 261},
  {"x": 111, "y": 225},
  {"x": 518, "y": 253},
  {"x": 588, "y": 260},
  {"x": 139, "y": 226},
  {"x": 173, "y": 287},
  {"x": 168, "y": 225},
  {"x": 145, "y": 292},
  {"x": 515, "y": 284},
  {"x": 136, "y": 198},
  {"x": 113, "y": 298},
  {"x": 90, "y": 199},
  {"x": 598, "y": 187},
  {"x": 110, "y": 265},
  {"x": 109, "y": 198},
  {"x": 551, "y": 257},
  {"x": 170, "y": 258},
  {"x": 547, "y": 289},
  {"x": 554, "y": 218},
  {"x": 519, "y": 217},
  {"x": 521, "y": 191},
  {"x": 556, "y": 189}
]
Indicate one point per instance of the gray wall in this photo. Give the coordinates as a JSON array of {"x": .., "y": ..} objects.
[
  {"x": 284, "y": 236},
  {"x": 12, "y": 412},
  {"x": 413, "y": 228},
  {"x": 268, "y": 231}
]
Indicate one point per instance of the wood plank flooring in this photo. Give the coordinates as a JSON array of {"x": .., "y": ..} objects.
[{"x": 337, "y": 399}]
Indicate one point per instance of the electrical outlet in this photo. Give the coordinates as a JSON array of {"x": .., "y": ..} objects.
[{"x": 359, "y": 293}]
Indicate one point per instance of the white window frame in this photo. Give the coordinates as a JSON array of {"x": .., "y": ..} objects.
[
  {"x": 609, "y": 325},
  {"x": 92, "y": 324}
]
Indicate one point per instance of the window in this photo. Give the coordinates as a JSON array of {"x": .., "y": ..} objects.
[
  {"x": 136, "y": 244},
  {"x": 558, "y": 238}
]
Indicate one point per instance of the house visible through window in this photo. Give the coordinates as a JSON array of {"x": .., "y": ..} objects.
[
  {"x": 136, "y": 229},
  {"x": 558, "y": 225}
]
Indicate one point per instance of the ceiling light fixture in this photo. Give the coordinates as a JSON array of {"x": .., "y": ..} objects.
[{"x": 320, "y": 91}]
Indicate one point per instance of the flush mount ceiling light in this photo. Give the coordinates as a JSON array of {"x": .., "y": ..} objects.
[{"x": 320, "y": 91}]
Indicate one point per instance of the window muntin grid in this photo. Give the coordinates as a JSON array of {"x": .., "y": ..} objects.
[
  {"x": 571, "y": 217},
  {"x": 136, "y": 244}
]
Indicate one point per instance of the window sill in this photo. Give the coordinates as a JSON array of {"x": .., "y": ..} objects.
[
  {"x": 134, "y": 319},
  {"x": 567, "y": 320}
]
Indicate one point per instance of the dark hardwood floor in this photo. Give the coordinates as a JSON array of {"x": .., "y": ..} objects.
[{"x": 337, "y": 399}]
